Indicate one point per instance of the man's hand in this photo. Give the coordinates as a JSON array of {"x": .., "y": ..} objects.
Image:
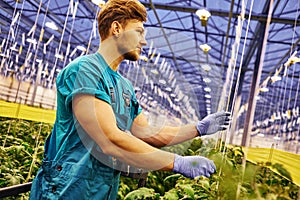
[
  {"x": 193, "y": 166},
  {"x": 212, "y": 123}
]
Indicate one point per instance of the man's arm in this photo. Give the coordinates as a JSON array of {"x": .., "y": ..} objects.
[
  {"x": 165, "y": 135},
  {"x": 98, "y": 120},
  {"x": 162, "y": 136}
]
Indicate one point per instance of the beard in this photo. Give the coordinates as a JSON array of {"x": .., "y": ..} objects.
[{"x": 131, "y": 55}]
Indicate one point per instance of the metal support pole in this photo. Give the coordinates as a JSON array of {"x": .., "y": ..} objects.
[
  {"x": 256, "y": 79},
  {"x": 15, "y": 190}
]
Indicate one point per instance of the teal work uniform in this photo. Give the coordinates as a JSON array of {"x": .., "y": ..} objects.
[{"x": 71, "y": 168}]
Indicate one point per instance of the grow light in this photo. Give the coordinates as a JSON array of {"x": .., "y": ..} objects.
[{"x": 51, "y": 25}]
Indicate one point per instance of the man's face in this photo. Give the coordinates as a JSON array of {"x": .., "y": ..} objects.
[{"x": 131, "y": 40}]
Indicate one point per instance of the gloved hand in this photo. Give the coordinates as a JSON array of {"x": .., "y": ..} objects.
[
  {"x": 212, "y": 123},
  {"x": 193, "y": 166}
]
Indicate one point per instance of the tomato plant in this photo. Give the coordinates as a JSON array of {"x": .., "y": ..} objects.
[
  {"x": 21, "y": 153},
  {"x": 231, "y": 181}
]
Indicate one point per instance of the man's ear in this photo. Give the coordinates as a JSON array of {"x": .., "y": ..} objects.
[{"x": 116, "y": 28}]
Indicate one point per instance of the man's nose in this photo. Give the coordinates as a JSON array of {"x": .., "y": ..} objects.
[{"x": 144, "y": 41}]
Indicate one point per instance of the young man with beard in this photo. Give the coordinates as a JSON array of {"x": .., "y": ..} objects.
[{"x": 97, "y": 107}]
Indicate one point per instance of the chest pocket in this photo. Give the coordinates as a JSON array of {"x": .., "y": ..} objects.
[
  {"x": 128, "y": 108},
  {"x": 126, "y": 98},
  {"x": 123, "y": 103}
]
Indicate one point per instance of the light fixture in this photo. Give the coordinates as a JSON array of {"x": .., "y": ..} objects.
[
  {"x": 33, "y": 41},
  {"x": 292, "y": 60},
  {"x": 51, "y": 25},
  {"x": 154, "y": 71},
  {"x": 173, "y": 95},
  {"x": 3, "y": 55},
  {"x": 99, "y": 3},
  {"x": 207, "y": 80},
  {"x": 264, "y": 89},
  {"x": 144, "y": 58},
  {"x": 137, "y": 89},
  {"x": 206, "y": 67},
  {"x": 260, "y": 135},
  {"x": 13, "y": 48},
  {"x": 59, "y": 56},
  {"x": 276, "y": 138},
  {"x": 162, "y": 81},
  {"x": 275, "y": 78},
  {"x": 39, "y": 60},
  {"x": 203, "y": 14},
  {"x": 207, "y": 89},
  {"x": 205, "y": 48},
  {"x": 81, "y": 48},
  {"x": 208, "y": 96},
  {"x": 168, "y": 89}
]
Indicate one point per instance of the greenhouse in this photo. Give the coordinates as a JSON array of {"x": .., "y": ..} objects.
[{"x": 204, "y": 106}]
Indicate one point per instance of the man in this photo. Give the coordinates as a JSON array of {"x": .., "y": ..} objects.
[{"x": 97, "y": 107}]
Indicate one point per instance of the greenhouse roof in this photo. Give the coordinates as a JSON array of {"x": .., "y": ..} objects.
[{"x": 190, "y": 67}]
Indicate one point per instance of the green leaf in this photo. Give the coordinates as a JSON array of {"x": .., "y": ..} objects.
[
  {"x": 171, "y": 194},
  {"x": 142, "y": 193},
  {"x": 172, "y": 177},
  {"x": 281, "y": 170},
  {"x": 205, "y": 183},
  {"x": 187, "y": 189}
]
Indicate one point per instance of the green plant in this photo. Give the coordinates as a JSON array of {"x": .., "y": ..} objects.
[
  {"x": 231, "y": 181},
  {"x": 21, "y": 150},
  {"x": 21, "y": 153},
  {"x": 275, "y": 183}
]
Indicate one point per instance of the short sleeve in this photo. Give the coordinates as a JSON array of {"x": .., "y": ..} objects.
[{"x": 86, "y": 80}]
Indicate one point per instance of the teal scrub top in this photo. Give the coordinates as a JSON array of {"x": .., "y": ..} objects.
[{"x": 71, "y": 168}]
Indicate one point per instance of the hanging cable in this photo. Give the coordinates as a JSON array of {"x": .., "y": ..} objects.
[
  {"x": 233, "y": 62},
  {"x": 39, "y": 67},
  {"x": 71, "y": 31},
  {"x": 93, "y": 32},
  {"x": 57, "y": 53}
]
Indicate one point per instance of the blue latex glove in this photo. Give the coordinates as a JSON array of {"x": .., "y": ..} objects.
[
  {"x": 212, "y": 123},
  {"x": 193, "y": 166}
]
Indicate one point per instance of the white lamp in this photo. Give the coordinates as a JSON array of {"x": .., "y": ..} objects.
[
  {"x": 99, "y": 3},
  {"x": 205, "y": 48},
  {"x": 203, "y": 14},
  {"x": 51, "y": 25}
]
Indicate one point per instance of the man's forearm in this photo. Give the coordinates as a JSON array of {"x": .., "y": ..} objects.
[
  {"x": 166, "y": 136},
  {"x": 136, "y": 152}
]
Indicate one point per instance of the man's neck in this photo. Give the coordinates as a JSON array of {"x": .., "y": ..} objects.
[{"x": 110, "y": 54}]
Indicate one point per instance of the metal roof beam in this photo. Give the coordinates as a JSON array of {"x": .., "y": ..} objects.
[{"x": 257, "y": 17}]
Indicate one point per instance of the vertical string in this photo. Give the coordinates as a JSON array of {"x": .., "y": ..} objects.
[
  {"x": 240, "y": 67},
  {"x": 51, "y": 78},
  {"x": 266, "y": 34},
  {"x": 11, "y": 30},
  {"x": 93, "y": 32},
  {"x": 71, "y": 31},
  {"x": 235, "y": 55},
  {"x": 298, "y": 83},
  {"x": 32, "y": 32}
]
